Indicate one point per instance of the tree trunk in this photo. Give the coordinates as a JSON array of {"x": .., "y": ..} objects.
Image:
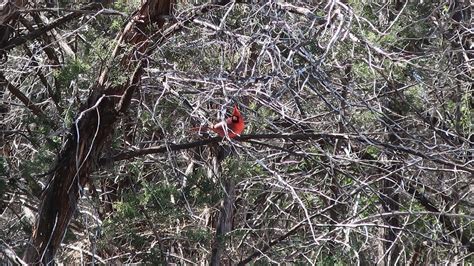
[
  {"x": 226, "y": 211},
  {"x": 224, "y": 224},
  {"x": 93, "y": 126}
]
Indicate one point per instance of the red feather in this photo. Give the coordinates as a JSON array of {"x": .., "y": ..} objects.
[{"x": 233, "y": 125}]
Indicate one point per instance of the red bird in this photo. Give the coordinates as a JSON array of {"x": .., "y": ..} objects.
[{"x": 233, "y": 125}]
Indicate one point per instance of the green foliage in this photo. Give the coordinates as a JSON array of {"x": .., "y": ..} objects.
[
  {"x": 365, "y": 10},
  {"x": 159, "y": 198},
  {"x": 240, "y": 170},
  {"x": 98, "y": 51},
  {"x": 201, "y": 236},
  {"x": 40, "y": 163},
  {"x": 414, "y": 96},
  {"x": 366, "y": 118},
  {"x": 128, "y": 208},
  {"x": 464, "y": 121},
  {"x": 146, "y": 119},
  {"x": 373, "y": 151},
  {"x": 164, "y": 119},
  {"x": 362, "y": 71},
  {"x": 467, "y": 113},
  {"x": 68, "y": 118},
  {"x": 203, "y": 60},
  {"x": 118, "y": 74},
  {"x": 116, "y": 25},
  {"x": 71, "y": 71},
  {"x": 126, "y": 6},
  {"x": 331, "y": 260},
  {"x": 135, "y": 170},
  {"x": 201, "y": 189}
]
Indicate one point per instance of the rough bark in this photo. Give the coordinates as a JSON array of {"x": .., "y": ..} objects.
[
  {"x": 60, "y": 198},
  {"x": 224, "y": 224},
  {"x": 78, "y": 159}
]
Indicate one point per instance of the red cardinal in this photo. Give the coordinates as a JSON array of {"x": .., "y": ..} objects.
[{"x": 235, "y": 125}]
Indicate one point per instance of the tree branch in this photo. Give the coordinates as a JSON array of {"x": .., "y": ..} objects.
[
  {"x": 302, "y": 136},
  {"x": 35, "y": 34},
  {"x": 22, "y": 97}
]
